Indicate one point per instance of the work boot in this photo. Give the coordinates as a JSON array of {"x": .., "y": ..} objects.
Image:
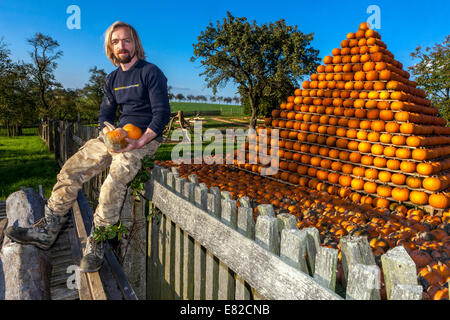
[
  {"x": 93, "y": 254},
  {"x": 41, "y": 234}
]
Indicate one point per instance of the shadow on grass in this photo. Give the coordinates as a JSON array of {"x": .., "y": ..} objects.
[{"x": 27, "y": 173}]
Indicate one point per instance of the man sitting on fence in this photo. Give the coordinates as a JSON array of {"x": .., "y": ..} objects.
[{"x": 140, "y": 88}]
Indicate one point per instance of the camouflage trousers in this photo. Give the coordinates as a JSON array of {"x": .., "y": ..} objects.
[{"x": 90, "y": 160}]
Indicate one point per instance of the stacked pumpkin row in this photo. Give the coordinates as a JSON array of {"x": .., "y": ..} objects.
[{"x": 359, "y": 125}]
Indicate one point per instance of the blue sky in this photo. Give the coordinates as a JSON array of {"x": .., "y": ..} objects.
[{"x": 168, "y": 30}]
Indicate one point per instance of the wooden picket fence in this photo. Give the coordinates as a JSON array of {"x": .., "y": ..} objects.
[{"x": 201, "y": 245}]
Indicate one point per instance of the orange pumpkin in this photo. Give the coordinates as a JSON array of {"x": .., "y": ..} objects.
[
  {"x": 115, "y": 138},
  {"x": 433, "y": 183},
  {"x": 438, "y": 200},
  {"x": 132, "y": 131},
  {"x": 418, "y": 197},
  {"x": 400, "y": 194}
]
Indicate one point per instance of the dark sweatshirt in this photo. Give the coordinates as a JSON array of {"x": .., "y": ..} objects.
[{"x": 141, "y": 93}]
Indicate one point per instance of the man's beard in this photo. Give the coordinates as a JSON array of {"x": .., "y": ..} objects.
[{"x": 126, "y": 59}]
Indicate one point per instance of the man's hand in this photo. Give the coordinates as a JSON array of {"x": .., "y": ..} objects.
[
  {"x": 148, "y": 136},
  {"x": 106, "y": 130}
]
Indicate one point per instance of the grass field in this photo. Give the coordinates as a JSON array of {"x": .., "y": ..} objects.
[
  {"x": 194, "y": 107},
  {"x": 25, "y": 161}
]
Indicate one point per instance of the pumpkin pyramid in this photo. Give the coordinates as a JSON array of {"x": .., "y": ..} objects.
[{"x": 359, "y": 128}]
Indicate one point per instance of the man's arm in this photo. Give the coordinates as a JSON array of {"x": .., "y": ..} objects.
[{"x": 108, "y": 106}]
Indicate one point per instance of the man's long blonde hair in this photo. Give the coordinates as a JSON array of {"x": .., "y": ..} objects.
[{"x": 140, "y": 54}]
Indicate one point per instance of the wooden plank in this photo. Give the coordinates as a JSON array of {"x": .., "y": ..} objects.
[
  {"x": 212, "y": 272},
  {"x": 169, "y": 268},
  {"x": 162, "y": 257},
  {"x": 178, "y": 267},
  {"x": 188, "y": 267},
  {"x": 94, "y": 281},
  {"x": 154, "y": 291},
  {"x": 110, "y": 258},
  {"x": 245, "y": 226},
  {"x": 226, "y": 276},
  {"x": 325, "y": 269},
  {"x": 363, "y": 282},
  {"x": 179, "y": 249},
  {"x": 212, "y": 263},
  {"x": 83, "y": 289},
  {"x": 201, "y": 200},
  {"x": 285, "y": 282},
  {"x": 199, "y": 271},
  {"x": 398, "y": 269}
]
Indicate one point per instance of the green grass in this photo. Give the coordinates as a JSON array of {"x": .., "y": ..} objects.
[
  {"x": 25, "y": 161},
  {"x": 193, "y": 107}
]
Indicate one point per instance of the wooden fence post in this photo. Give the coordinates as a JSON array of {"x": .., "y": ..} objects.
[
  {"x": 188, "y": 248},
  {"x": 363, "y": 282},
  {"x": 266, "y": 235},
  {"x": 355, "y": 250},
  {"x": 325, "y": 268},
  {"x": 132, "y": 247},
  {"x": 286, "y": 221},
  {"x": 245, "y": 226},
  {"x": 226, "y": 277},
  {"x": 201, "y": 200},
  {"x": 214, "y": 208},
  {"x": 293, "y": 248},
  {"x": 178, "y": 281},
  {"x": 154, "y": 279},
  {"x": 406, "y": 292},
  {"x": 400, "y": 269},
  {"x": 312, "y": 246}
]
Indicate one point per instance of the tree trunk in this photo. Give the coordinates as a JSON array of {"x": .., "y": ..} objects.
[
  {"x": 254, "y": 107},
  {"x": 8, "y": 129}
]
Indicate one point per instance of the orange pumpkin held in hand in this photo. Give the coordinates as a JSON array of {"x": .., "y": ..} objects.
[
  {"x": 115, "y": 137},
  {"x": 133, "y": 131}
]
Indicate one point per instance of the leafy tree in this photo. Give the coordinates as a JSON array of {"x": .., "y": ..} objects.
[
  {"x": 264, "y": 61},
  {"x": 432, "y": 74},
  {"x": 90, "y": 99},
  {"x": 169, "y": 93},
  {"x": 44, "y": 55},
  {"x": 67, "y": 102},
  {"x": 180, "y": 97},
  {"x": 213, "y": 99},
  {"x": 17, "y": 103}
]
